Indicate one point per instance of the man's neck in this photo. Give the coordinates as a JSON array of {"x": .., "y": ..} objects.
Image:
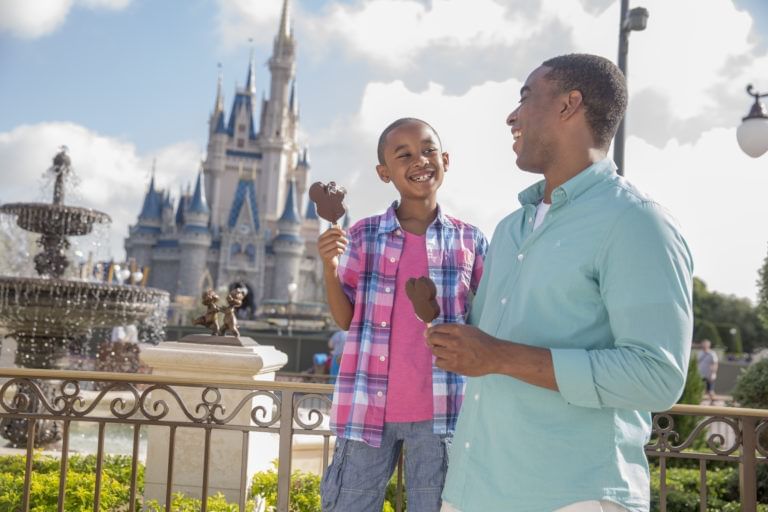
[{"x": 565, "y": 168}]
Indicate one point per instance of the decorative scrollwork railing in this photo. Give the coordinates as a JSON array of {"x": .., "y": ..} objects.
[
  {"x": 29, "y": 397},
  {"x": 290, "y": 409},
  {"x": 729, "y": 434}
]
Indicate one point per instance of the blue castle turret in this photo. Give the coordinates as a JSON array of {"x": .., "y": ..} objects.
[{"x": 288, "y": 246}]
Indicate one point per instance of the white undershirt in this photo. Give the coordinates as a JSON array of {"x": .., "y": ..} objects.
[{"x": 541, "y": 211}]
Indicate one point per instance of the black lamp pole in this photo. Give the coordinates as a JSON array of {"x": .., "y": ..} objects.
[{"x": 629, "y": 20}]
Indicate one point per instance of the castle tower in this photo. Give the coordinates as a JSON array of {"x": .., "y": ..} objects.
[
  {"x": 194, "y": 242},
  {"x": 143, "y": 235},
  {"x": 288, "y": 247},
  {"x": 278, "y": 146}
]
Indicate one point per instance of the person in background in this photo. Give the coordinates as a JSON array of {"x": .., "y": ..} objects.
[
  {"x": 708, "y": 363},
  {"x": 336, "y": 346}
]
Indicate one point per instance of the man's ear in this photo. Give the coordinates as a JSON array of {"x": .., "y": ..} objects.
[
  {"x": 572, "y": 103},
  {"x": 446, "y": 161},
  {"x": 383, "y": 173}
]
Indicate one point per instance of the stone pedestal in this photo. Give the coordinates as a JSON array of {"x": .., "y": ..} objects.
[{"x": 219, "y": 358}]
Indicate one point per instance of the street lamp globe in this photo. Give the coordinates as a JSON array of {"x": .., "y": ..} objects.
[
  {"x": 752, "y": 133},
  {"x": 637, "y": 19}
]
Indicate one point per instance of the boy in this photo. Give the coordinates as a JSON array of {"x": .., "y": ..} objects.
[{"x": 389, "y": 395}]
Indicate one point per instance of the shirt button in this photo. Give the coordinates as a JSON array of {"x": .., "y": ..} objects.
[
  {"x": 387, "y": 289},
  {"x": 477, "y": 396},
  {"x": 530, "y": 220},
  {"x": 379, "y": 394},
  {"x": 398, "y": 232},
  {"x": 382, "y": 358},
  {"x": 504, "y": 300},
  {"x": 392, "y": 260},
  {"x": 466, "y": 445},
  {"x": 383, "y": 324},
  {"x": 520, "y": 257}
]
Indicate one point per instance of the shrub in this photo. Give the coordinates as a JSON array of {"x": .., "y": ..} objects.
[
  {"x": 81, "y": 481},
  {"x": 305, "y": 491},
  {"x": 183, "y": 503},
  {"x": 692, "y": 394},
  {"x": 752, "y": 386}
]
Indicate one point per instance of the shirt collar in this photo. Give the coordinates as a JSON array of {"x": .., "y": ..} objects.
[
  {"x": 389, "y": 222},
  {"x": 574, "y": 187}
]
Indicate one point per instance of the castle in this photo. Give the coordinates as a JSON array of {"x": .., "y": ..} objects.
[{"x": 247, "y": 223}]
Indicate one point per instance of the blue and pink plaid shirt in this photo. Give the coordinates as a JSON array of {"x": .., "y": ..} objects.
[{"x": 367, "y": 270}]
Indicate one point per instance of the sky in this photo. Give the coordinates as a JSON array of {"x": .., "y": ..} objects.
[{"x": 124, "y": 83}]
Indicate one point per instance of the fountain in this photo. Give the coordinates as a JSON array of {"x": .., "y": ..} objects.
[{"x": 45, "y": 314}]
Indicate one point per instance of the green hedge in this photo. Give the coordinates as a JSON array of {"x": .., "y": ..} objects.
[{"x": 682, "y": 488}]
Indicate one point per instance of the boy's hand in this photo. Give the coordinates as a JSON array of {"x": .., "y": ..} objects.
[{"x": 331, "y": 245}]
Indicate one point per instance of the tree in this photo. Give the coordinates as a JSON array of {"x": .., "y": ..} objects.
[
  {"x": 706, "y": 330},
  {"x": 731, "y": 337},
  {"x": 762, "y": 293},
  {"x": 718, "y": 308}
]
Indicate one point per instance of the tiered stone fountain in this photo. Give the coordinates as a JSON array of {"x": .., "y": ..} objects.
[{"x": 45, "y": 314}]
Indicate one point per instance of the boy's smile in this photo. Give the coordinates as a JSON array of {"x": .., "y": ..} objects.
[{"x": 413, "y": 161}]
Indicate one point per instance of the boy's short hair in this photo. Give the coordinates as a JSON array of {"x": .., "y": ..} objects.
[
  {"x": 602, "y": 86},
  {"x": 396, "y": 124}
]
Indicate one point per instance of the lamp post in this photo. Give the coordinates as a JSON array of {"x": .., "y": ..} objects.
[
  {"x": 629, "y": 20},
  {"x": 292, "y": 287},
  {"x": 752, "y": 133}
]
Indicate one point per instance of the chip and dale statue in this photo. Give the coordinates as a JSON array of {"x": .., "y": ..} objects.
[{"x": 210, "y": 319}]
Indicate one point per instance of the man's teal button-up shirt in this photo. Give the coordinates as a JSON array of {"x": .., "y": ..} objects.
[{"x": 605, "y": 283}]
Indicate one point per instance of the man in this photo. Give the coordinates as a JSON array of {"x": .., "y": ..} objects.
[
  {"x": 581, "y": 324},
  {"x": 708, "y": 363}
]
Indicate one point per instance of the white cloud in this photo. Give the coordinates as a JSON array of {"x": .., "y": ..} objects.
[
  {"x": 395, "y": 33},
  {"x": 111, "y": 176},
  {"x": 32, "y": 19},
  {"x": 240, "y": 20}
]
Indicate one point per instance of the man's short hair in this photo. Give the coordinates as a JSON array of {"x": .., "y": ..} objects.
[
  {"x": 602, "y": 86},
  {"x": 396, "y": 124}
]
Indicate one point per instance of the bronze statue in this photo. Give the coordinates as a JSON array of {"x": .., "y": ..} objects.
[
  {"x": 234, "y": 301},
  {"x": 211, "y": 317}
]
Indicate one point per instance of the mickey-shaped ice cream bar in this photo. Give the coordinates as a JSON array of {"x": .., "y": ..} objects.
[
  {"x": 329, "y": 200},
  {"x": 422, "y": 292}
]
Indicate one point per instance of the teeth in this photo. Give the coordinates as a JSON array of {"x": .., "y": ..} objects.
[
  {"x": 516, "y": 134},
  {"x": 423, "y": 177}
]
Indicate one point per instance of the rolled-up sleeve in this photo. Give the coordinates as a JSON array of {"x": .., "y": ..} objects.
[{"x": 644, "y": 269}]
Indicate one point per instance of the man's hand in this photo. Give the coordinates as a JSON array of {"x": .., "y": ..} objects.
[
  {"x": 463, "y": 349},
  {"x": 467, "y": 350},
  {"x": 331, "y": 245}
]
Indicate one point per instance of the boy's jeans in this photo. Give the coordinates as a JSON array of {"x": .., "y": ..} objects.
[{"x": 358, "y": 475}]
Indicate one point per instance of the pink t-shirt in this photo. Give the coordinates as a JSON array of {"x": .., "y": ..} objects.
[{"x": 409, "y": 392}]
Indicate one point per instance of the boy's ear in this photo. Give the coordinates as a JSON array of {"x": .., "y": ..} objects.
[
  {"x": 383, "y": 173},
  {"x": 446, "y": 160}
]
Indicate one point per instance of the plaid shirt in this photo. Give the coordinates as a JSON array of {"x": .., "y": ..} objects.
[{"x": 367, "y": 270}]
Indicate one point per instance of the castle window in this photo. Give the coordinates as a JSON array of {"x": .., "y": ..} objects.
[
  {"x": 240, "y": 143},
  {"x": 241, "y": 127},
  {"x": 235, "y": 249},
  {"x": 250, "y": 251}
]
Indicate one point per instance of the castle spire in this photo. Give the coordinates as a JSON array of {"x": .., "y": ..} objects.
[
  {"x": 290, "y": 213},
  {"x": 293, "y": 103},
  {"x": 198, "y": 204},
  {"x": 285, "y": 22},
  {"x": 250, "y": 81},
  {"x": 219, "y": 106}
]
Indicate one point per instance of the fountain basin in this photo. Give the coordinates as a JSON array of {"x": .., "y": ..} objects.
[
  {"x": 55, "y": 218},
  {"x": 60, "y": 308}
]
